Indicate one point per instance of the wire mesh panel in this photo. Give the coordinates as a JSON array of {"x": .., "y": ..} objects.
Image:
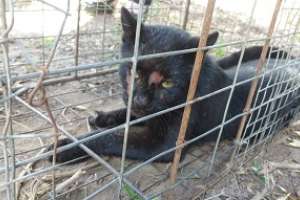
[{"x": 60, "y": 65}]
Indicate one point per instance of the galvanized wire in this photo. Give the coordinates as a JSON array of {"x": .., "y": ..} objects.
[{"x": 281, "y": 89}]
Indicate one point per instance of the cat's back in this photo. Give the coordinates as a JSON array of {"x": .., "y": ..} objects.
[
  {"x": 273, "y": 67},
  {"x": 278, "y": 85}
]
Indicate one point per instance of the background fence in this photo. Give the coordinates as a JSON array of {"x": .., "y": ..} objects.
[{"x": 47, "y": 46}]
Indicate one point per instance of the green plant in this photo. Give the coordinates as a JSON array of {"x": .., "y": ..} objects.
[
  {"x": 257, "y": 169},
  {"x": 219, "y": 52},
  {"x": 49, "y": 41},
  {"x": 131, "y": 193}
]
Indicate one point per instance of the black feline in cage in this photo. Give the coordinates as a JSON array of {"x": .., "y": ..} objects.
[{"x": 161, "y": 83}]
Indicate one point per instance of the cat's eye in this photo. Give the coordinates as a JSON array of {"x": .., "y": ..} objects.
[{"x": 167, "y": 84}]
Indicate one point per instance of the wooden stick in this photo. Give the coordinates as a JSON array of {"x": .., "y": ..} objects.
[
  {"x": 259, "y": 68},
  {"x": 60, "y": 187},
  {"x": 284, "y": 165},
  {"x": 26, "y": 170},
  {"x": 193, "y": 85},
  {"x": 73, "y": 177},
  {"x": 260, "y": 195}
]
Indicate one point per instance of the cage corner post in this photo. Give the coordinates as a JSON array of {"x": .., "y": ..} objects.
[
  {"x": 7, "y": 131},
  {"x": 193, "y": 86}
]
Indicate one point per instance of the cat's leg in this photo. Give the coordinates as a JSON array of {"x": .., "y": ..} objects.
[
  {"x": 108, "y": 119},
  {"x": 142, "y": 145}
]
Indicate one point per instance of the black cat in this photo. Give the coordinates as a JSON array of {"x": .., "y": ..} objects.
[{"x": 163, "y": 82}]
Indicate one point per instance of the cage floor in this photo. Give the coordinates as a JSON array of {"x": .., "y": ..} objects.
[{"x": 72, "y": 102}]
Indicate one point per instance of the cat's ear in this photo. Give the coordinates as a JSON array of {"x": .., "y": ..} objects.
[
  {"x": 211, "y": 40},
  {"x": 129, "y": 24}
]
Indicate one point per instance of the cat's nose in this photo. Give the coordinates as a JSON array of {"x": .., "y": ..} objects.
[{"x": 140, "y": 101}]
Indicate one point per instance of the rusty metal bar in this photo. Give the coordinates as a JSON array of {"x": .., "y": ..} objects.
[
  {"x": 259, "y": 68},
  {"x": 193, "y": 85}
]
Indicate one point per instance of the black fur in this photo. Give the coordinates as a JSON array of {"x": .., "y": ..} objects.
[
  {"x": 250, "y": 53},
  {"x": 160, "y": 133}
]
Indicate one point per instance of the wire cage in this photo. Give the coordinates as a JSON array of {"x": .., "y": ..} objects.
[{"x": 60, "y": 63}]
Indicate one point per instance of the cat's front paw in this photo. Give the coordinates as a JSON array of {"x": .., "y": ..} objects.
[{"x": 101, "y": 120}]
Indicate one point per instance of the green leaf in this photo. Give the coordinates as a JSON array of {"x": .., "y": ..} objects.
[{"x": 131, "y": 193}]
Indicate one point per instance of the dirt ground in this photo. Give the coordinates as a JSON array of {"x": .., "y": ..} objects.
[{"x": 271, "y": 173}]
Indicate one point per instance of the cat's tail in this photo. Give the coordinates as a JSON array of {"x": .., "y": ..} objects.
[{"x": 251, "y": 53}]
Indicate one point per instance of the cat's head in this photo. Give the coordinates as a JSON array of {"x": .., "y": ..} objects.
[{"x": 159, "y": 82}]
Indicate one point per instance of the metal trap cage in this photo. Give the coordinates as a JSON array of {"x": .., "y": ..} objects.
[{"x": 59, "y": 64}]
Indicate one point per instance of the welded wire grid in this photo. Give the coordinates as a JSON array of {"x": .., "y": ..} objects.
[{"x": 88, "y": 50}]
